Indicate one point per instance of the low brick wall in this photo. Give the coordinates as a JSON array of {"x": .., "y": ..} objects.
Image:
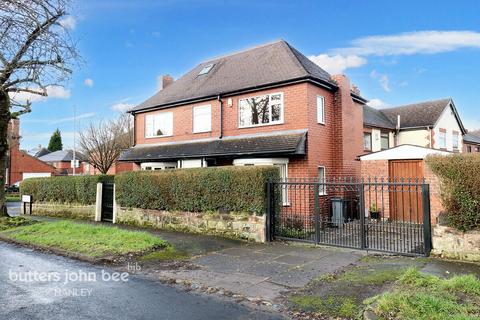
[
  {"x": 246, "y": 227},
  {"x": 451, "y": 243},
  {"x": 71, "y": 211}
]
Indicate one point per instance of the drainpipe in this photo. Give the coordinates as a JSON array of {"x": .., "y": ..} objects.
[
  {"x": 430, "y": 130},
  {"x": 219, "y": 98}
]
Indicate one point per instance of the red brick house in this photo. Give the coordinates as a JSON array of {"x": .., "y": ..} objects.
[
  {"x": 21, "y": 165},
  {"x": 471, "y": 142},
  {"x": 269, "y": 105},
  {"x": 62, "y": 161}
]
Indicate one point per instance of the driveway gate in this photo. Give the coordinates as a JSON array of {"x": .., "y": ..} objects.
[
  {"x": 107, "y": 202},
  {"x": 374, "y": 214}
]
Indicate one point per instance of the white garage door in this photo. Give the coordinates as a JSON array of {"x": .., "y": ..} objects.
[{"x": 27, "y": 175}]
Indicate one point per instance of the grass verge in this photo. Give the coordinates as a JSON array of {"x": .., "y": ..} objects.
[
  {"x": 90, "y": 240},
  {"x": 170, "y": 253},
  {"x": 13, "y": 222},
  {"x": 420, "y": 296}
]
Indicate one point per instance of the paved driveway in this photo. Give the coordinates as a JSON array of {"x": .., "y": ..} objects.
[{"x": 26, "y": 297}]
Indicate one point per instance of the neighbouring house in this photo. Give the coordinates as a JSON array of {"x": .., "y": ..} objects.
[
  {"x": 117, "y": 167},
  {"x": 471, "y": 142},
  {"x": 38, "y": 151},
  {"x": 62, "y": 161},
  {"x": 20, "y": 164},
  {"x": 431, "y": 124},
  {"x": 268, "y": 105}
]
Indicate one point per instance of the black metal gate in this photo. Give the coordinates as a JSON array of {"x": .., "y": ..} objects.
[
  {"x": 107, "y": 202},
  {"x": 374, "y": 214}
]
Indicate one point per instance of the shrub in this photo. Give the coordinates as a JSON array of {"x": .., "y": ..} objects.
[
  {"x": 237, "y": 189},
  {"x": 460, "y": 188},
  {"x": 64, "y": 189}
]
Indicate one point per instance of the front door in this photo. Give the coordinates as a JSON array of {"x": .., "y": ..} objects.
[{"x": 404, "y": 204}]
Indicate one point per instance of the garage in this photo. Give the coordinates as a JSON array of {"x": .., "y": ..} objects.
[{"x": 404, "y": 164}]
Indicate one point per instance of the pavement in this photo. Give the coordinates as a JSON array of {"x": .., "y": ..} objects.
[
  {"x": 263, "y": 272},
  {"x": 14, "y": 208},
  {"x": 36, "y": 285}
]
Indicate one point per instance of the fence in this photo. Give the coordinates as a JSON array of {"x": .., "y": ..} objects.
[{"x": 372, "y": 214}]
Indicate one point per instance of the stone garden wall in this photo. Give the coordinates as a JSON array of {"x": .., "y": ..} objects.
[
  {"x": 239, "y": 226},
  {"x": 450, "y": 243},
  {"x": 71, "y": 211}
]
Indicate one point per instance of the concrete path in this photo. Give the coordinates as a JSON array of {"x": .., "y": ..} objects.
[
  {"x": 264, "y": 271},
  {"x": 33, "y": 297}
]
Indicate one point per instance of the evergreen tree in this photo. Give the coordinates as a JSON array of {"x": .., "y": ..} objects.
[{"x": 55, "y": 143}]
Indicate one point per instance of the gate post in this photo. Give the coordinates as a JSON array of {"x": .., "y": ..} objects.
[
  {"x": 427, "y": 225},
  {"x": 362, "y": 235},
  {"x": 98, "y": 205},
  {"x": 316, "y": 191},
  {"x": 269, "y": 221}
]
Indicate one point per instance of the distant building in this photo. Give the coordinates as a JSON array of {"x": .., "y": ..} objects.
[
  {"x": 20, "y": 164},
  {"x": 62, "y": 161}
]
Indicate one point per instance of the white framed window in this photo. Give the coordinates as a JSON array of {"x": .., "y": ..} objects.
[
  {"x": 260, "y": 110},
  {"x": 385, "y": 140},
  {"x": 442, "y": 140},
  {"x": 159, "y": 125},
  {"x": 202, "y": 119},
  {"x": 155, "y": 166},
  {"x": 367, "y": 141},
  {"x": 455, "y": 140},
  {"x": 322, "y": 190},
  {"x": 281, "y": 163},
  {"x": 321, "y": 109}
]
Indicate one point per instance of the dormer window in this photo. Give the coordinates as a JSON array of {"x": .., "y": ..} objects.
[{"x": 206, "y": 69}]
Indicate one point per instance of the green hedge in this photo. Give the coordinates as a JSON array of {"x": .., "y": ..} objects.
[
  {"x": 64, "y": 189},
  {"x": 460, "y": 188},
  {"x": 232, "y": 189}
]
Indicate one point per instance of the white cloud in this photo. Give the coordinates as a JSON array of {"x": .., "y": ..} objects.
[
  {"x": 409, "y": 43},
  {"x": 57, "y": 92},
  {"x": 382, "y": 78},
  {"x": 122, "y": 106},
  {"x": 336, "y": 64},
  {"x": 378, "y": 104},
  {"x": 88, "y": 82},
  {"x": 68, "y": 22},
  {"x": 77, "y": 117}
]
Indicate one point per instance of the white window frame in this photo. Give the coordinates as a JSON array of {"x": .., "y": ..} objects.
[
  {"x": 321, "y": 110},
  {"x": 158, "y": 166},
  {"x": 269, "y": 162},
  {"x": 371, "y": 141},
  {"x": 444, "y": 134},
  {"x": 455, "y": 140},
  {"x": 322, "y": 190},
  {"x": 270, "y": 123},
  {"x": 195, "y": 109},
  {"x": 157, "y": 114}
]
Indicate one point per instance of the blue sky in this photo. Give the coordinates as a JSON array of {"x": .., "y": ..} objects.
[{"x": 396, "y": 52}]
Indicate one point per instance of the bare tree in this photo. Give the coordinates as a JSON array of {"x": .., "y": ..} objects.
[
  {"x": 36, "y": 52},
  {"x": 102, "y": 143}
]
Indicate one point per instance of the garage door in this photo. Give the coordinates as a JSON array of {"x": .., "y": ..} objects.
[
  {"x": 404, "y": 204},
  {"x": 27, "y": 175}
]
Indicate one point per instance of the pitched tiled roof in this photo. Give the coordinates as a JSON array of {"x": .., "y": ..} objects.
[
  {"x": 375, "y": 118},
  {"x": 287, "y": 143},
  {"x": 257, "y": 67},
  {"x": 423, "y": 114},
  {"x": 472, "y": 137},
  {"x": 61, "y": 155}
]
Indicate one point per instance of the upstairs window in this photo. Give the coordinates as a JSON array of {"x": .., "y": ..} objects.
[
  {"x": 442, "y": 139},
  {"x": 321, "y": 109},
  {"x": 260, "y": 110},
  {"x": 385, "y": 141},
  {"x": 202, "y": 119},
  {"x": 367, "y": 141},
  {"x": 455, "y": 140},
  {"x": 159, "y": 125}
]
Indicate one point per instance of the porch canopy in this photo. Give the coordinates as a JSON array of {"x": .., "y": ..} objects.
[{"x": 284, "y": 143}]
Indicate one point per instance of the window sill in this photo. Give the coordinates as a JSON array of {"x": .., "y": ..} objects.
[
  {"x": 165, "y": 136},
  {"x": 262, "y": 125},
  {"x": 195, "y": 132}
]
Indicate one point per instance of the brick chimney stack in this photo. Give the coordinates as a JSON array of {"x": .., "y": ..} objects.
[
  {"x": 14, "y": 133},
  {"x": 165, "y": 81},
  {"x": 348, "y": 127}
]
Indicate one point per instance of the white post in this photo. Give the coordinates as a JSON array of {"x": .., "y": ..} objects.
[
  {"x": 98, "y": 207},
  {"x": 114, "y": 218}
]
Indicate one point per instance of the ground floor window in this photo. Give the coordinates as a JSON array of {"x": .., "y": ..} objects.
[
  {"x": 281, "y": 163},
  {"x": 155, "y": 166}
]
